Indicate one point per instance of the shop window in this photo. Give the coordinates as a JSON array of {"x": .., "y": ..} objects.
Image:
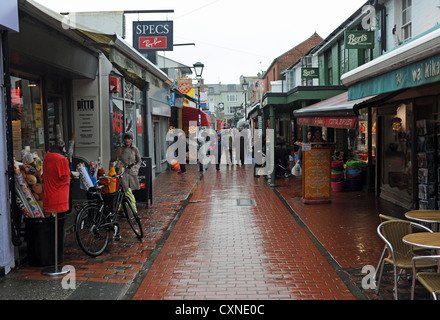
[
  {"x": 117, "y": 122},
  {"x": 128, "y": 115},
  {"x": 130, "y": 119},
  {"x": 428, "y": 147},
  {"x": 27, "y": 116},
  {"x": 329, "y": 63},
  {"x": 54, "y": 117},
  {"x": 406, "y": 20},
  {"x": 397, "y": 149}
]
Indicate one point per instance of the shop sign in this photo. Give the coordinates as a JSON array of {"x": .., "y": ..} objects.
[
  {"x": 86, "y": 122},
  {"x": 359, "y": 39},
  {"x": 347, "y": 122},
  {"x": 310, "y": 73},
  {"x": 416, "y": 74},
  {"x": 317, "y": 175},
  {"x": 153, "y": 35},
  {"x": 184, "y": 85}
]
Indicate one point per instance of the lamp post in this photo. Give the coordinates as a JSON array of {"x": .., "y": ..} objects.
[
  {"x": 245, "y": 86},
  {"x": 198, "y": 69}
]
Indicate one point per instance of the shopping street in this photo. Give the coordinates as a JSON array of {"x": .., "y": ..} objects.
[{"x": 227, "y": 235}]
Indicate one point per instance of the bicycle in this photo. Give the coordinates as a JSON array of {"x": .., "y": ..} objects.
[{"x": 96, "y": 219}]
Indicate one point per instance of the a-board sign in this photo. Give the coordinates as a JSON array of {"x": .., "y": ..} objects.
[
  {"x": 145, "y": 193},
  {"x": 317, "y": 175}
]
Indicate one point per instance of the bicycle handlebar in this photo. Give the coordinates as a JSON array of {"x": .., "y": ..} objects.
[{"x": 108, "y": 177}]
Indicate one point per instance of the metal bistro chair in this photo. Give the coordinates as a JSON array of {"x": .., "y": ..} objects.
[
  {"x": 384, "y": 218},
  {"x": 400, "y": 254},
  {"x": 430, "y": 280}
]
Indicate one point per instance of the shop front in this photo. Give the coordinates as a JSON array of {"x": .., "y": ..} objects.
[
  {"x": 346, "y": 127},
  {"x": 76, "y": 88},
  {"x": 405, "y": 119}
]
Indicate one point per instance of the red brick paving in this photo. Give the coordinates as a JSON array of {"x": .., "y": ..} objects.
[{"x": 220, "y": 251}]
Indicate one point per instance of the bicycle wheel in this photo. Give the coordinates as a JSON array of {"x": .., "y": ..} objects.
[
  {"x": 92, "y": 238},
  {"x": 132, "y": 217}
]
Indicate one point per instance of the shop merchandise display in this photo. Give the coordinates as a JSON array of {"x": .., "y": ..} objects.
[
  {"x": 29, "y": 184},
  {"x": 427, "y": 156},
  {"x": 354, "y": 174},
  {"x": 337, "y": 176}
]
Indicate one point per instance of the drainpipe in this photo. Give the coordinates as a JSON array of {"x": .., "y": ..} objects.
[{"x": 146, "y": 120}]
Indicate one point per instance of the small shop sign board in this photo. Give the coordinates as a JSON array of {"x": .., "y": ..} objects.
[
  {"x": 359, "y": 39},
  {"x": 310, "y": 73},
  {"x": 86, "y": 119},
  {"x": 145, "y": 193},
  {"x": 317, "y": 175},
  {"x": 153, "y": 36}
]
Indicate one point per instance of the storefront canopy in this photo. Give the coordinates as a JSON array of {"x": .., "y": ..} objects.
[
  {"x": 192, "y": 114},
  {"x": 335, "y": 112},
  {"x": 410, "y": 65},
  {"x": 135, "y": 67}
]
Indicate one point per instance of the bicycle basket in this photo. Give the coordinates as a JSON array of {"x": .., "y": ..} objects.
[{"x": 111, "y": 185}]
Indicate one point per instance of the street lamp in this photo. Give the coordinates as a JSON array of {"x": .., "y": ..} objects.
[
  {"x": 245, "y": 86},
  {"x": 198, "y": 69}
]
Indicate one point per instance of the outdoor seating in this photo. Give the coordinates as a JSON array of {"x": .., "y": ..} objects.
[
  {"x": 400, "y": 254},
  {"x": 430, "y": 280},
  {"x": 384, "y": 218}
]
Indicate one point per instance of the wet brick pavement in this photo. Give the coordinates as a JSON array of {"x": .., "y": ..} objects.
[{"x": 207, "y": 239}]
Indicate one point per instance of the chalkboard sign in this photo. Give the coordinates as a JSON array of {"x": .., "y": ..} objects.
[
  {"x": 317, "y": 175},
  {"x": 145, "y": 193}
]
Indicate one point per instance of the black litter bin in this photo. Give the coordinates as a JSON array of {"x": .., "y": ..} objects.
[{"x": 40, "y": 239}]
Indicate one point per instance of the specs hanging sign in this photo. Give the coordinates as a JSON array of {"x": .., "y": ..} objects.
[
  {"x": 153, "y": 36},
  {"x": 359, "y": 39}
]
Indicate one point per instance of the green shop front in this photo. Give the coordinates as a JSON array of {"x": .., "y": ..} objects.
[{"x": 405, "y": 118}]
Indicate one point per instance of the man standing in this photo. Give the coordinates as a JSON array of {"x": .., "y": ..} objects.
[{"x": 56, "y": 179}]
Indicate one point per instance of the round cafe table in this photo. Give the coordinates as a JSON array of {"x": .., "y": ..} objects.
[
  {"x": 428, "y": 216},
  {"x": 427, "y": 240}
]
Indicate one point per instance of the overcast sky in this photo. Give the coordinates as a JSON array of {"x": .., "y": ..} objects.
[{"x": 232, "y": 37}]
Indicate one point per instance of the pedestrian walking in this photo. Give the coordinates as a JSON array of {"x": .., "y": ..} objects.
[
  {"x": 219, "y": 150},
  {"x": 56, "y": 178},
  {"x": 130, "y": 159},
  {"x": 176, "y": 153}
]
